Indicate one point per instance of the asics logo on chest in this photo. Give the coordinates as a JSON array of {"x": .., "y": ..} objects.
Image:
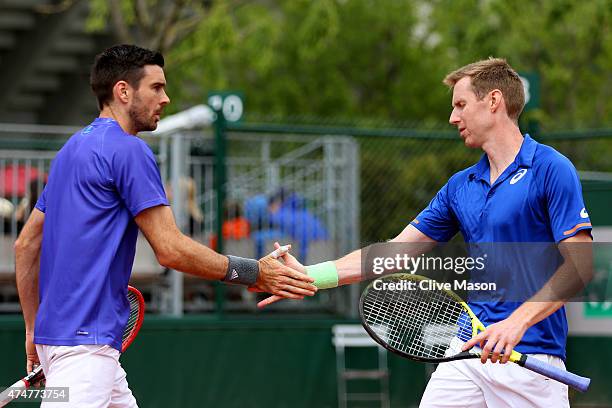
[{"x": 519, "y": 175}]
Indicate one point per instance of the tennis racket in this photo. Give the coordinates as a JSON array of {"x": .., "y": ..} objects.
[
  {"x": 432, "y": 325},
  {"x": 137, "y": 309}
]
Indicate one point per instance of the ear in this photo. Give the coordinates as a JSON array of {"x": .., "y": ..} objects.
[
  {"x": 121, "y": 91},
  {"x": 496, "y": 100}
]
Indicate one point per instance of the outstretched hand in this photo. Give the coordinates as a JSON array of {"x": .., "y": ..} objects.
[
  {"x": 282, "y": 280},
  {"x": 289, "y": 260}
]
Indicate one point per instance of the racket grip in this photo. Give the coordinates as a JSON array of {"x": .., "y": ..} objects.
[
  {"x": 550, "y": 371},
  {"x": 4, "y": 395}
]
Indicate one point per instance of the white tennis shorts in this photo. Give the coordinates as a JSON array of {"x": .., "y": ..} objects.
[
  {"x": 471, "y": 384},
  {"x": 92, "y": 373}
]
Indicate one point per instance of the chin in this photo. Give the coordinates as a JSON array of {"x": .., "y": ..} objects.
[
  {"x": 146, "y": 128},
  {"x": 149, "y": 127},
  {"x": 471, "y": 143}
]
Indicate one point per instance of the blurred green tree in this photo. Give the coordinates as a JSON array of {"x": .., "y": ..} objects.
[{"x": 379, "y": 59}]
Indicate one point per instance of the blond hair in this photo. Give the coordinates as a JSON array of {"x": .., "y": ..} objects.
[{"x": 493, "y": 73}]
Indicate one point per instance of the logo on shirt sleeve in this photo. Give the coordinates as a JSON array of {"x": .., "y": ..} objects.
[
  {"x": 519, "y": 175},
  {"x": 584, "y": 213}
]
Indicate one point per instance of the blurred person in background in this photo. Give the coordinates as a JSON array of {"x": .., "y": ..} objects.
[
  {"x": 6, "y": 214},
  {"x": 289, "y": 213},
  {"x": 281, "y": 216},
  {"x": 191, "y": 208}
]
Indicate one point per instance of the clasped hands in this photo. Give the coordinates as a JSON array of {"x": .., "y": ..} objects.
[{"x": 282, "y": 275}]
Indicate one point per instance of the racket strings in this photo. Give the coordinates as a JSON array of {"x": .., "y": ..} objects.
[
  {"x": 134, "y": 315},
  {"x": 421, "y": 323}
]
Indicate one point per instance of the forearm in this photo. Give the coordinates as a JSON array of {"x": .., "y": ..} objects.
[
  {"x": 186, "y": 255},
  {"x": 569, "y": 279},
  {"x": 175, "y": 250},
  {"x": 533, "y": 312},
  {"x": 545, "y": 302},
  {"x": 349, "y": 268},
  {"x": 27, "y": 267}
]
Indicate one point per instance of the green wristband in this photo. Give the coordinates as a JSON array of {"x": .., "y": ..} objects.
[{"x": 325, "y": 274}]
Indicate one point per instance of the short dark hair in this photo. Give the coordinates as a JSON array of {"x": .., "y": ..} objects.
[{"x": 122, "y": 62}]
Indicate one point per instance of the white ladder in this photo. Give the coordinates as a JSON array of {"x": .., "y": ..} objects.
[{"x": 353, "y": 335}]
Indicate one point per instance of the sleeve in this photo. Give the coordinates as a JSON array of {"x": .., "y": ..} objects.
[
  {"x": 566, "y": 210},
  {"x": 437, "y": 220},
  {"x": 136, "y": 177},
  {"x": 41, "y": 204}
]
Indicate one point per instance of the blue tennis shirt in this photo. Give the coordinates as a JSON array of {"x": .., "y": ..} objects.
[
  {"x": 99, "y": 181},
  {"x": 537, "y": 199}
]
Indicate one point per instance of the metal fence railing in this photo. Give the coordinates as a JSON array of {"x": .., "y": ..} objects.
[{"x": 284, "y": 187}]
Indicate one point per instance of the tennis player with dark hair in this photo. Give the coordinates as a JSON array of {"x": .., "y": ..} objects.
[
  {"x": 75, "y": 254},
  {"x": 520, "y": 191}
]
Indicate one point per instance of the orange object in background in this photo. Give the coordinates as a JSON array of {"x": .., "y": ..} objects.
[{"x": 236, "y": 229}]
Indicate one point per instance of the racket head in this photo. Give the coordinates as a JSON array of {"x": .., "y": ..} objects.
[
  {"x": 135, "y": 319},
  {"x": 418, "y": 324}
]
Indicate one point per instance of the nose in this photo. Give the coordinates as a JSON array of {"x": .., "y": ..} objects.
[
  {"x": 165, "y": 99},
  {"x": 454, "y": 118}
]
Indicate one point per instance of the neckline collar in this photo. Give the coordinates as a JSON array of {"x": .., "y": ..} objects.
[
  {"x": 524, "y": 158},
  {"x": 105, "y": 120}
]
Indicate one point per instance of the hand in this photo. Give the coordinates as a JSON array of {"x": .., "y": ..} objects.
[
  {"x": 31, "y": 356},
  {"x": 290, "y": 261},
  {"x": 32, "y": 360},
  {"x": 501, "y": 336},
  {"x": 278, "y": 252},
  {"x": 281, "y": 280}
]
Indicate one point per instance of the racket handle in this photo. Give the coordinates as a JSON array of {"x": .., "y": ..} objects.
[
  {"x": 5, "y": 398},
  {"x": 559, "y": 374},
  {"x": 22, "y": 384}
]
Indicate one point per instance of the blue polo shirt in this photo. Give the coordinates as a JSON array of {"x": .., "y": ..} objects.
[
  {"x": 537, "y": 199},
  {"x": 99, "y": 181}
]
